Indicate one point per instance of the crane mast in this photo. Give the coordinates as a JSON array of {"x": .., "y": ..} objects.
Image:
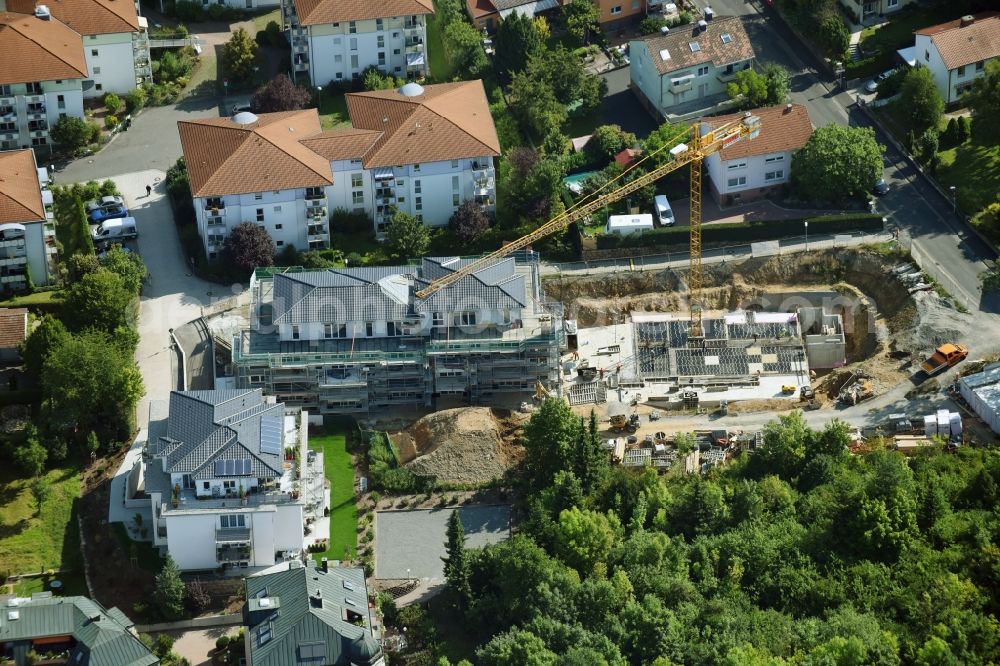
[{"x": 701, "y": 146}]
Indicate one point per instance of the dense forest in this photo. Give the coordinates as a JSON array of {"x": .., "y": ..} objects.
[{"x": 799, "y": 553}]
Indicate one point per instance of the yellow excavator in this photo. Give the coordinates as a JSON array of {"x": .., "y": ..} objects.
[{"x": 701, "y": 141}]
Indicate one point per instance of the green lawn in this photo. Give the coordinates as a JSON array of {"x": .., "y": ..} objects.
[
  {"x": 974, "y": 170},
  {"x": 30, "y": 542},
  {"x": 261, "y": 20},
  {"x": 39, "y": 298},
  {"x": 205, "y": 78},
  {"x": 333, "y": 111},
  {"x": 440, "y": 69},
  {"x": 72, "y": 584},
  {"x": 340, "y": 473},
  {"x": 899, "y": 31}
]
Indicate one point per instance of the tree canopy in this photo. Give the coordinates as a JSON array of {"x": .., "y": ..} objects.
[
  {"x": 247, "y": 247},
  {"x": 280, "y": 94},
  {"x": 407, "y": 236},
  {"x": 984, "y": 100},
  {"x": 239, "y": 55},
  {"x": 752, "y": 90},
  {"x": 837, "y": 164},
  {"x": 517, "y": 40},
  {"x": 469, "y": 221},
  {"x": 920, "y": 101}
]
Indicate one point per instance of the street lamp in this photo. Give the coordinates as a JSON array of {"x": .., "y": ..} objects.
[
  {"x": 953, "y": 203},
  {"x": 806, "y": 223},
  {"x": 319, "y": 98}
]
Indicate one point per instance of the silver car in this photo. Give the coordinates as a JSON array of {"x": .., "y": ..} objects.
[{"x": 872, "y": 85}]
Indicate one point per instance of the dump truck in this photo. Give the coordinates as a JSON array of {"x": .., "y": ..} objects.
[
  {"x": 943, "y": 357},
  {"x": 806, "y": 393},
  {"x": 620, "y": 419}
]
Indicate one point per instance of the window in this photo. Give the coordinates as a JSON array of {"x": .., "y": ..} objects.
[
  {"x": 260, "y": 214},
  {"x": 736, "y": 165},
  {"x": 416, "y": 187},
  {"x": 437, "y": 319},
  {"x": 378, "y": 25},
  {"x": 354, "y": 43},
  {"x": 61, "y": 101},
  {"x": 401, "y": 200},
  {"x": 381, "y": 57},
  {"x": 694, "y": 46},
  {"x": 338, "y": 58},
  {"x": 927, "y": 56},
  {"x": 635, "y": 4},
  {"x": 357, "y": 198},
  {"x": 617, "y": 9},
  {"x": 775, "y": 158},
  {"x": 340, "y": 75},
  {"x": 34, "y": 88},
  {"x": 354, "y": 62},
  {"x": 235, "y": 520},
  {"x": 736, "y": 182},
  {"x": 418, "y": 203},
  {"x": 369, "y": 329},
  {"x": 396, "y": 52},
  {"x": 295, "y": 332},
  {"x": 726, "y": 38},
  {"x": 961, "y": 71},
  {"x": 334, "y": 330},
  {"x": 97, "y": 70},
  {"x": 94, "y": 52},
  {"x": 774, "y": 175},
  {"x": 393, "y": 328},
  {"x": 729, "y": 69},
  {"x": 279, "y": 226},
  {"x": 979, "y": 65},
  {"x": 468, "y": 319},
  {"x": 357, "y": 180},
  {"x": 416, "y": 167},
  {"x": 454, "y": 183},
  {"x": 455, "y": 200},
  {"x": 454, "y": 164},
  {"x": 380, "y": 41},
  {"x": 258, "y": 196},
  {"x": 703, "y": 71},
  {"x": 277, "y": 209},
  {"x": 892, "y": 3},
  {"x": 352, "y": 28}
]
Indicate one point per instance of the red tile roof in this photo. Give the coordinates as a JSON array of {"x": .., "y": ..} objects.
[
  {"x": 781, "y": 129},
  {"x": 20, "y": 193},
  {"x": 710, "y": 47},
  {"x": 320, "y": 12},
  {"x": 13, "y": 327},
  {"x": 37, "y": 50},
  {"x": 87, "y": 17},
  {"x": 963, "y": 45}
]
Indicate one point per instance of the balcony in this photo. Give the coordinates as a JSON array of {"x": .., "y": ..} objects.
[
  {"x": 727, "y": 75},
  {"x": 215, "y": 208},
  {"x": 316, "y": 197},
  {"x": 300, "y": 45},
  {"x": 484, "y": 187},
  {"x": 314, "y": 211},
  {"x": 232, "y": 535},
  {"x": 316, "y": 229},
  {"x": 7, "y": 101},
  {"x": 318, "y": 240},
  {"x": 233, "y": 554},
  {"x": 301, "y": 63},
  {"x": 298, "y": 32}
]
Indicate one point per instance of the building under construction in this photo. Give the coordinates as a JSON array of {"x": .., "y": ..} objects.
[{"x": 360, "y": 340}]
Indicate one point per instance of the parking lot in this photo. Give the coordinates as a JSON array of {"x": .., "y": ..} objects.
[{"x": 410, "y": 544}]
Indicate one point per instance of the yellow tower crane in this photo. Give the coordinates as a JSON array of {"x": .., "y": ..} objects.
[{"x": 700, "y": 145}]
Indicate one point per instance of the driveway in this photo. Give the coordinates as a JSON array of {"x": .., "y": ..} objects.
[{"x": 198, "y": 645}]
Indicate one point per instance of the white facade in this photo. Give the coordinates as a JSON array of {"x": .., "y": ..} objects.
[
  {"x": 339, "y": 52},
  {"x": 116, "y": 62},
  {"x": 624, "y": 225},
  {"x": 243, "y": 4},
  {"x": 664, "y": 93},
  {"x": 200, "y": 539},
  {"x": 28, "y": 111},
  {"x": 748, "y": 175},
  {"x": 982, "y": 391},
  {"x": 431, "y": 191},
  {"x": 952, "y": 84}
]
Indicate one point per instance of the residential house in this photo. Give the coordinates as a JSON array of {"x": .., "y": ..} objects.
[
  {"x": 74, "y": 630},
  {"x": 421, "y": 150},
  {"x": 487, "y": 14},
  {"x": 115, "y": 41},
  {"x": 13, "y": 333},
  {"x": 27, "y": 236},
  {"x": 956, "y": 52},
  {"x": 616, "y": 14},
  {"x": 213, "y": 472},
  {"x": 860, "y": 10},
  {"x": 309, "y": 614},
  {"x": 359, "y": 340},
  {"x": 334, "y": 41},
  {"x": 41, "y": 78},
  {"x": 688, "y": 68},
  {"x": 747, "y": 170}
]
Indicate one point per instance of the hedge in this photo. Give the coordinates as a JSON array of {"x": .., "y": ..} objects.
[
  {"x": 868, "y": 67},
  {"x": 744, "y": 232}
]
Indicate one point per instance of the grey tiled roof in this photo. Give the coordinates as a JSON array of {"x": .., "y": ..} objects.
[
  {"x": 300, "y": 620},
  {"x": 386, "y": 293},
  {"x": 205, "y": 426},
  {"x": 103, "y": 637}
]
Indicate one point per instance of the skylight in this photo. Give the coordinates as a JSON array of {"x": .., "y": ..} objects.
[
  {"x": 664, "y": 54},
  {"x": 695, "y": 47},
  {"x": 726, "y": 38}
]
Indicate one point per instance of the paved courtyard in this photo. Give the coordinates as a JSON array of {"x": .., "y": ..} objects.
[{"x": 410, "y": 544}]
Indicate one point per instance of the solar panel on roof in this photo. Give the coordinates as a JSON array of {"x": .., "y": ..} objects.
[
  {"x": 220, "y": 467},
  {"x": 270, "y": 434},
  {"x": 312, "y": 652},
  {"x": 230, "y": 467}
]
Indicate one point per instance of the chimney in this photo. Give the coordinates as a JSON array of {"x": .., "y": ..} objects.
[
  {"x": 663, "y": 29},
  {"x": 316, "y": 600},
  {"x": 326, "y": 565},
  {"x": 709, "y": 14},
  {"x": 966, "y": 20},
  {"x": 788, "y": 108},
  {"x": 41, "y": 11}
]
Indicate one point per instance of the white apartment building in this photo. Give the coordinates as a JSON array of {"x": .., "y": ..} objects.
[
  {"x": 956, "y": 52},
  {"x": 41, "y": 78},
  {"x": 748, "y": 170},
  {"x": 27, "y": 235},
  {"x": 114, "y": 37},
  {"x": 215, "y": 476},
  {"x": 421, "y": 150},
  {"x": 688, "y": 68},
  {"x": 334, "y": 41}
]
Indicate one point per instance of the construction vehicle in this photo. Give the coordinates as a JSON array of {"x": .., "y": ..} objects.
[
  {"x": 806, "y": 393},
  {"x": 541, "y": 393},
  {"x": 700, "y": 145},
  {"x": 787, "y": 389},
  {"x": 618, "y": 415},
  {"x": 859, "y": 388},
  {"x": 943, "y": 357}
]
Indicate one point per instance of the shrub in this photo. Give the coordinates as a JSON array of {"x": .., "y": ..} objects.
[
  {"x": 113, "y": 103},
  {"x": 222, "y": 642},
  {"x": 189, "y": 11},
  {"x": 965, "y": 128},
  {"x": 111, "y": 122},
  {"x": 344, "y": 221},
  {"x": 135, "y": 100},
  {"x": 71, "y": 133}
]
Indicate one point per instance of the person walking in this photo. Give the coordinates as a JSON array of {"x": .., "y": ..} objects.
[{"x": 149, "y": 190}]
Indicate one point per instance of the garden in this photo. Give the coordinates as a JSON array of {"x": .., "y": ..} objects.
[{"x": 333, "y": 441}]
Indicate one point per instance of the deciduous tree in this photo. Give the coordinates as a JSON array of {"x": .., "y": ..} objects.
[
  {"x": 919, "y": 100},
  {"x": 70, "y": 133},
  {"x": 837, "y": 164},
  {"x": 517, "y": 40},
  {"x": 30, "y": 456},
  {"x": 407, "y": 236},
  {"x": 584, "y": 538},
  {"x": 984, "y": 100},
  {"x": 464, "y": 49},
  {"x": 239, "y": 55},
  {"x": 100, "y": 300},
  {"x": 280, "y": 94},
  {"x": 41, "y": 490},
  {"x": 469, "y": 221},
  {"x": 247, "y": 247},
  {"x": 49, "y": 333},
  {"x": 607, "y": 141},
  {"x": 126, "y": 265},
  {"x": 581, "y": 16}
]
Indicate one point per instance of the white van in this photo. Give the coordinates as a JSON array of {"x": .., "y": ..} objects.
[
  {"x": 114, "y": 230},
  {"x": 664, "y": 213}
]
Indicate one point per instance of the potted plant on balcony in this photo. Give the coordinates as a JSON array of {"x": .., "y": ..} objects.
[
  {"x": 243, "y": 496},
  {"x": 175, "y": 500}
]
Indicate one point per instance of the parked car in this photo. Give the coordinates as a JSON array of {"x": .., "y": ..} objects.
[
  {"x": 664, "y": 213},
  {"x": 881, "y": 187},
  {"x": 103, "y": 202},
  {"x": 114, "y": 231},
  {"x": 872, "y": 85},
  {"x": 108, "y": 213}
]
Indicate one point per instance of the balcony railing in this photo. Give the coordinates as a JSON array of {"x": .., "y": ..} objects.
[
  {"x": 313, "y": 212},
  {"x": 232, "y": 535},
  {"x": 216, "y": 209},
  {"x": 316, "y": 197}
]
